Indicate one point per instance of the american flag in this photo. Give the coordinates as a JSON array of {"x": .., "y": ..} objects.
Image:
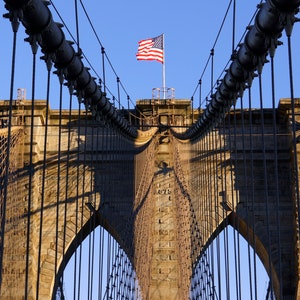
[{"x": 151, "y": 49}]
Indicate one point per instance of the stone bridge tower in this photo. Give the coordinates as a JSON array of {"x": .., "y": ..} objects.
[{"x": 69, "y": 174}]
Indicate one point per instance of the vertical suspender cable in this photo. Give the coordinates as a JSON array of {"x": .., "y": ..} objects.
[
  {"x": 233, "y": 25},
  {"x": 265, "y": 179},
  {"x": 58, "y": 183},
  {"x": 212, "y": 53},
  {"x": 225, "y": 194},
  {"x": 118, "y": 86},
  {"x": 15, "y": 25},
  {"x": 200, "y": 93},
  {"x": 76, "y": 272},
  {"x": 246, "y": 180},
  {"x": 296, "y": 175},
  {"x": 252, "y": 189},
  {"x": 129, "y": 113},
  {"x": 93, "y": 258},
  {"x": 77, "y": 25},
  {"x": 92, "y": 223},
  {"x": 234, "y": 167},
  {"x": 212, "y": 172},
  {"x": 222, "y": 177},
  {"x": 43, "y": 183},
  {"x": 110, "y": 136},
  {"x": 67, "y": 181},
  {"x": 77, "y": 200},
  {"x": 234, "y": 236},
  {"x": 233, "y": 195},
  {"x": 216, "y": 212},
  {"x": 83, "y": 183},
  {"x": 108, "y": 253},
  {"x": 276, "y": 175},
  {"x": 103, "y": 68},
  {"x": 227, "y": 263},
  {"x": 235, "y": 199},
  {"x": 101, "y": 262},
  {"x": 218, "y": 171},
  {"x": 89, "y": 254},
  {"x": 102, "y": 236},
  {"x": 89, "y": 258},
  {"x": 93, "y": 192},
  {"x": 97, "y": 237},
  {"x": 208, "y": 206},
  {"x": 30, "y": 169}
]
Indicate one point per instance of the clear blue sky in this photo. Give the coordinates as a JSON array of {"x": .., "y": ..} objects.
[{"x": 190, "y": 30}]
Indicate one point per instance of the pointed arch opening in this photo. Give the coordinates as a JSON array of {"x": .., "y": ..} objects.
[
  {"x": 230, "y": 268},
  {"x": 96, "y": 268}
]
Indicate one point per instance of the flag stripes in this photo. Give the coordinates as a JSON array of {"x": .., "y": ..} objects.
[{"x": 151, "y": 49}]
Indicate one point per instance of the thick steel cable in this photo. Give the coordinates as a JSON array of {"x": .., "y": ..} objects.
[
  {"x": 224, "y": 70},
  {"x": 37, "y": 19},
  {"x": 75, "y": 41},
  {"x": 270, "y": 21},
  {"x": 103, "y": 50},
  {"x": 104, "y": 55},
  {"x": 59, "y": 183}
]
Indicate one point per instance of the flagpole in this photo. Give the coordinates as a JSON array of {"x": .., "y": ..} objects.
[{"x": 164, "y": 69}]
